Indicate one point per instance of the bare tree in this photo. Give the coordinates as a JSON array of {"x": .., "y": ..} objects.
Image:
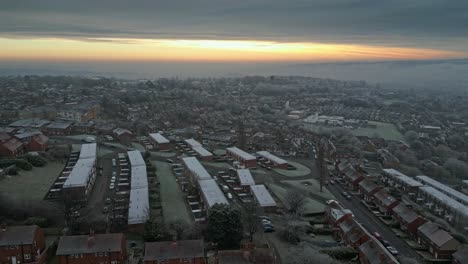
[
  {"x": 179, "y": 227},
  {"x": 304, "y": 254},
  {"x": 250, "y": 220},
  {"x": 295, "y": 202}
]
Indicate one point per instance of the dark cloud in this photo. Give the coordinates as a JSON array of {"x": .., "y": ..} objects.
[{"x": 426, "y": 23}]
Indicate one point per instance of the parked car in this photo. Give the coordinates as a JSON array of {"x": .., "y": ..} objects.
[
  {"x": 348, "y": 197},
  {"x": 345, "y": 194},
  {"x": 385, "y": 243},
  {"x": 169, "y": 161},
  {"x": 229, "y": 195},
  {"x": 392, "y": 250},
  {"x": 264, "y": 217},
  {"x": 111, "y": 186},
  {"x": 105, "y": 210},
  {"x": 332, "y": 182},
  {"x": 267, "y": 229},
  {"x": 266, "y": 222},
  {"x": 377, "y": 235}
]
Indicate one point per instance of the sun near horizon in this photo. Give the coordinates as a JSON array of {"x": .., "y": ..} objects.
[{"x": 180, "y": 50}]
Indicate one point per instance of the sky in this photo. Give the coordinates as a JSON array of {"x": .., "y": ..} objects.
[{"x": 224, "y": 31}]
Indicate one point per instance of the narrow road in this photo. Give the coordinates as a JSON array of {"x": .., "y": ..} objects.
[{"x": 371, "y": 222}]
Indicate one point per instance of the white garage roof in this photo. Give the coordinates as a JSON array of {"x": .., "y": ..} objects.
[
  {"x": 160, "y": 139},
  {"x": 245, "y": 177},
  {"x": 196, "y": 168},
  {"x": 239, "y": 152},
  {"x": 262, "y": 195},
  {"x": 138, "y": 207},
  {"x": 80, "y": 173},
  {"x": 211, "y": 193},
  {"x": 139, "y": 177},
  {"x": 193, "y": 143},
  {"x": 88, "y": 151},
  {"x": 136, "y": 159},
  {"x": 267, "y": 155},
  {"x": 202, "y": 152}
]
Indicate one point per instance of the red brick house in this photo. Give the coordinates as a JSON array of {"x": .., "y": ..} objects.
[
  {"x": 385, "y": 202},
  {"x": 461, "y": 256},
  {"x": 22, "y": 244},
  {"x": 352, "y": 233},
  {"x": 408, "y": 219},
  {"x": 38, "y": 142},
  {"x": 175, "y": 252},
  {"x": 335, "y": 214},
  {"x": 160, "y": 142},
  {"x": 440, "y": 244},
  {"x": 58, "y": 128},
  {"x": 373, "y": 252},
  {"x": 4, "y": 137},
  {"x": 367, "y": 189},
  {"x": 12, "y": 148},
  {"x": 245, "y": 159},
  {"x": 123, "y": 135},
  {"x": 95, "y": 248}
]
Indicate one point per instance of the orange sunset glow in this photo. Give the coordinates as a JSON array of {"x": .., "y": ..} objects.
[{"x": 112, "y": 49}]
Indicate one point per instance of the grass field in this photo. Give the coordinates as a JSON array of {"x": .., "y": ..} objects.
[
  {"x": 163, "y": 154},
  {"x": 385, "y": 130},
  {"x": 172, "y": 198},
  {"x": 301, "y": 170},
  {"x": 31, "y": 185},
  {"x": 311, "y": 206},
  {"x": 313, "y": 186}
]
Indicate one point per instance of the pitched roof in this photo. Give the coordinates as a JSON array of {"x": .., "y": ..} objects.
[
  {"x": 428, "y": 228},
  {"x": 4, "y": 136},
  {"x": 174, "y": 250},
  {"x": 17, "y": 235},
  {"x": 438, "y": 236},
  {"x": 376, "y": 253},
  {"x": 407, "y": 214},
  {"x": 368, "y": 185},
  {"x": 385, "y": 198},
  {"x": 41, "y": 139},
  {"x": 90, "y": 244},
  {"x": 12, "y": 144}
]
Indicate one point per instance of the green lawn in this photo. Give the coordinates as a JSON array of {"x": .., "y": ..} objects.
[
  {"x": 311, "y": 206},
  {"x": 31, "y": 185},
  {"x": 172, "y": 198},
  {"x": 300, "y": 170},
  {"x": 385, "y": 130}
]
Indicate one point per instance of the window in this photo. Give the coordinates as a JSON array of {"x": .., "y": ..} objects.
[{"x": 27, "y": 256}]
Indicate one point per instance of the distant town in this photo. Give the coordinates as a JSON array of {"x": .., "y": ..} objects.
[{"x": 276, "y": 169}]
